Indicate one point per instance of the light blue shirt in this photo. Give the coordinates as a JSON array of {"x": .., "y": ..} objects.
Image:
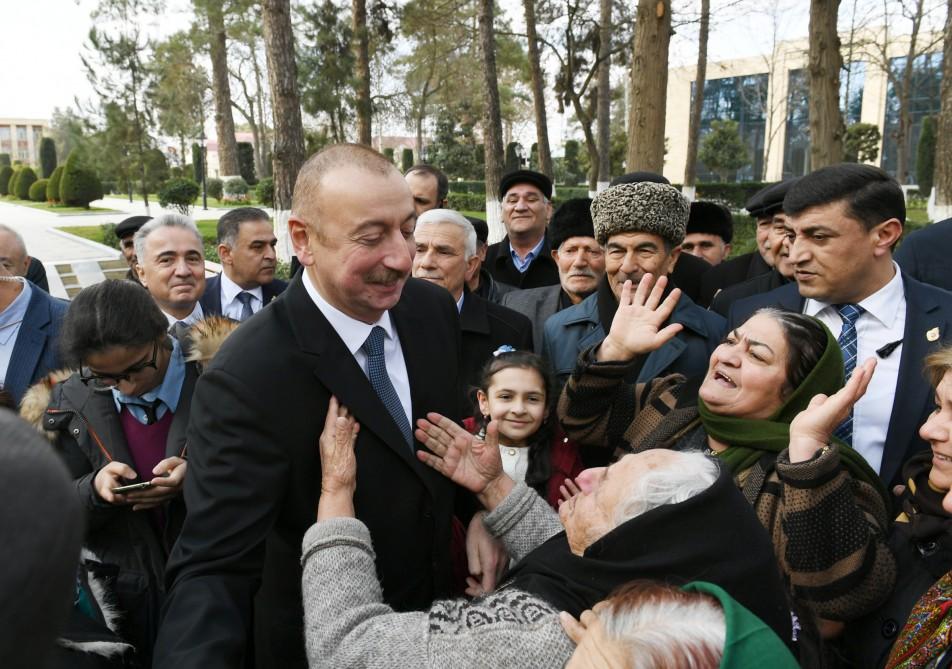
[
  {"x": 523, "y": 264},
  {"x": 168, "y": 391},
  {"x": 10, "y": 320}
]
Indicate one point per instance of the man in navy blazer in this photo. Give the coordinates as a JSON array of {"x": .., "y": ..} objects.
[
  {"x": 843, "y": 222},
  {"x": 29, "y": 321},
  {"x": 246, "y": 244}
]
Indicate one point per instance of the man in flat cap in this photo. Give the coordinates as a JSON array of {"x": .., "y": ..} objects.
[
  {"x": 523, "y": 257},
  {"x": 641, "y": 227},
  {"x": 709, "y": 232},
  {"x": 126, "y": 232},
  {"x": 581, "y": 263}
]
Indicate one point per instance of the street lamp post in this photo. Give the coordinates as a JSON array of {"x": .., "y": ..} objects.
[{"x": 204, "y": 173}]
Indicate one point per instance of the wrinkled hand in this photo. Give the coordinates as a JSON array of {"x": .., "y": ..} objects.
[
  {"x": 167, "y": 483},
  {"x": 637, "y": 325},
  {"x": 576, "y": 629},
  {"x": 812, "y": 428},
  {"x": 567, "y": 491},
  {"x": 486, "y": 556},
  {"x": 458, "y": 455},
  {"x": 336, "y": 445},
  {"x": 113, "y": 475}
]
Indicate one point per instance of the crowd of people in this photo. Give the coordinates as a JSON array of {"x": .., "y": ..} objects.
[{"x": 602, "y": 441}]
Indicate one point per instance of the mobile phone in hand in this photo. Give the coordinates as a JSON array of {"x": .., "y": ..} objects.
[{"x": 132, "y": 487}]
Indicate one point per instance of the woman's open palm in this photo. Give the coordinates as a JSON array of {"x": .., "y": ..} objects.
[{"x": 457, "y": 454}]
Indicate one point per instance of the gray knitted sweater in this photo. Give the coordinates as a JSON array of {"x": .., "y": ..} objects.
[{"x": 348, "y": 625}]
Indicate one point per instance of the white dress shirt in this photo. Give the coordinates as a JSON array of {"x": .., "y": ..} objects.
[
  {"x": 191, "y": 319},
  {"x": 231, "y": 306},
  {"x": 10, "y": 320},
  {"x": 354, "y": 333},
  {"x": 883, "y": 322}
]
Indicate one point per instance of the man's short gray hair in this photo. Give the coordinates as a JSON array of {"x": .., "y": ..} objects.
[
  {"x": 434, "y": 216},
  {"x": 687, "y": 475},
  {"x": 17, "y": 237},
  {"x": 164, "y": 221}
]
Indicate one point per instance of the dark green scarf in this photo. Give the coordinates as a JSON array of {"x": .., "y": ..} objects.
[{"x": 749, "y": 439}]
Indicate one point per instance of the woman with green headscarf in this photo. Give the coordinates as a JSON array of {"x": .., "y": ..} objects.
[{"x": 766, "y": 408}]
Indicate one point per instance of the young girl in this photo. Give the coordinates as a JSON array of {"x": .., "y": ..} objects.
[{"x": 515, "y": 390}]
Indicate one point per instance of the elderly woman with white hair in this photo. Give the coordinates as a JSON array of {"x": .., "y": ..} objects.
[{"x": 654, "y": 515}]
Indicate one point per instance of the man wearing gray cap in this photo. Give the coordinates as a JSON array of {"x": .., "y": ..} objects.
[{"x": 641, "y": 227}]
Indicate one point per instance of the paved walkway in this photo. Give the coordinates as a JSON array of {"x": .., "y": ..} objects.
[{"x": 72, "y": 262}]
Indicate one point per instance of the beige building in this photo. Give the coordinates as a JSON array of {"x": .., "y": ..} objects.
[{"x": 20, "y": 137}]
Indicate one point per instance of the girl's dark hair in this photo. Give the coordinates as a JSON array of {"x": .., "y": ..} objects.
[
  {"x": 806, "y": 342},
  {"x": 109, "y": 314},
  {"x": 540, "y": 462}
]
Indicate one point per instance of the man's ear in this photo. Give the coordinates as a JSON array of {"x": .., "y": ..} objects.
[
  {"x": 140, "y": 272},
  {"x": 887, "y": 235},
  {"x": 672, "y": 259},
  {"x": 727, "y": 251},
  {"x": 300, "y": 234},
  {"x": 224, "y": 254},
  {"x": 472, "y": 266}
]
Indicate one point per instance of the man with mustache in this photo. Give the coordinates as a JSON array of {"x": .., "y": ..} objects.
[
  {"x": 352, "y": 325},
  {"x": 246, "y": 244},
  {"x": 171, "y": 266},
  {"x": 581, "y": 263},
  {"x": 640, "y": 226}
]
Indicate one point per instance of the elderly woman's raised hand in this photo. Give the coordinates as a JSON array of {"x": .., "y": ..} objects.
[
  {"x": 637, "y": 325},
  {"x": 338, "y": 462},
  {"x": 812, "y": 428},
  {"x": 459, "y": 456}
]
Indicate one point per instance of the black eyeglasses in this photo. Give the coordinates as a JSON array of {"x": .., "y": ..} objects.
[{"x": 110, "y": 381}]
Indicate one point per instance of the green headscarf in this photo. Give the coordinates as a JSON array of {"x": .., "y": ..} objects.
[{"x": 748, "y": 439}]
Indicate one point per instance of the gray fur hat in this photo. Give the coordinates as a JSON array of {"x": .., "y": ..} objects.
[{"x": 658, "y": 209}]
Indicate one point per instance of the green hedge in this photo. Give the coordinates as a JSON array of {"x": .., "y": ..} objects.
[
  {"x": 53, "y": 184},
  {"x": 214, "y": 188},
  {"x": 264, "y": 192},
  {"x": 466, "y": 201},
  {"x": 5, "y": 173},
  {"x": 179, "y": 194},
  {"x": 38, "y": 190},
  {"x": 79, "y": 184},
  {"x": 26, "y": 177},
  {"x": 734, "y": 195}
]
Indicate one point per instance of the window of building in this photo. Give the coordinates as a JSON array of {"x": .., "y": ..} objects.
[
  {"x": 744, "y": 100},
  {"x": 923, "y": 102},
  {"x": 6, "y": 139},
  {"x": 852, "y": 83}
]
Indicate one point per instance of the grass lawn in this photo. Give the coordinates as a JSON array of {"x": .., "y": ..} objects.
[
  {"x": 97, "y": 233},
  {"x": 56, "y": 208},
  {"x": 197, "y": 206}
]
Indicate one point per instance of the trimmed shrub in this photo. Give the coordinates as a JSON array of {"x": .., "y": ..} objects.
[
  {"x": 214, "y": 188},
  {"x": 12, "y": 181},
  {"x": 4, "y": 160},
  {"x": 6, "y": 172},
  {"x": 179, "y": 194},
  {"x": 264, "y": 192},
  {"x": 466, "y": 201},
  {"x": 53, "y": 185},
  {"x": 512, "y": 161},
  {"x": 246, "y": 162},
  {"x": 79, "y": 185},
  {"x": 38, "y": 190},
  {"x": 197, "y": 162},
  {"x": 47, "y": 157},
  {"x": 26, "y": 177},
  {"x": 733, "y": 195},
  {"x": 406, "y": 160},
  {"x": 236, "y": 190},
  {"x": 389, "y": 154},
  {"x": 109, "y": 237},
  {"x": 925, "y": 157}
]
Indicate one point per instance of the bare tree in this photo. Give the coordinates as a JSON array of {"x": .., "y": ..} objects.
[
  {"x": 492, "y": 121},
  {"x": 362, "y": 55},
  {"x": 697, "y": 104},
  {"x": 943, "y": 149},
  {"x": 649, "y": 83},
  {"x": 604, "y": 93},
  {"x": 245, "y": 71},
  {"x": 218, "y": 51},
  {"x": 826, "y": 122},
  {"x": 538, "y": 90}
]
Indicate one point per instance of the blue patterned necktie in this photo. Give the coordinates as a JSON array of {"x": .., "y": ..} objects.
[
  {"x": 380, "y": 380},
  {"x": 850, "y": 313},
  {"x": 245, "y": 299}
]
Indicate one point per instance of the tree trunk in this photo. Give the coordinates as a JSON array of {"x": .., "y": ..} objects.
[
  {"x": 224, "y": 122},
  {"x": 697, "y": 104},
  {"x": 492, "y": 121},
  {"x": 649, "y": 84},
  {"x": 604, "y": 94},
  {"x": 261, "y": 138},
  {"x": 361, "y": 47},
  {"x": 826, "y": 122},
  {"x": 538, "y": 92},
  {"x": 289, "y": 153},
  {"x": 905, "y": 103},
  {"x": 943, "y": 148}
]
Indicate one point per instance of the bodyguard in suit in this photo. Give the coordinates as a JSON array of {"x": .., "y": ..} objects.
[
  {"x": 843, "y": 222},
  {"x": 446, "y": 256},
  {"x": 246, "y": 244},
  {"x": 29, "y": 321},
  {"x": 351, "y": 325},
  {"x": 581, "y": 263},
  {"x": 640, "y": 226},
  {"x": 924, "y": 254}
]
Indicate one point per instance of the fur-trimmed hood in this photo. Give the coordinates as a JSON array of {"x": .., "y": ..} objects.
[{"x": 37, "y": 399}]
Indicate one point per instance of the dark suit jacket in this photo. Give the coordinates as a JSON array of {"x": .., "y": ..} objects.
[
  {"x": 484, "y": 327},
  {"x": 541, "y": 272},
  {"x": 924, "y": 254},
  {"x": 927, "y": 308},
  {"x": 730, "y": 272},
  {"x": 537, "y": 304},
  {"x": 254, "y": 479},
  {"x": 688, "y": 275},
  {"x": 759, "y": 284},
  {"x": 36, "y": 351},
  {"x": 211, "y": 298}
]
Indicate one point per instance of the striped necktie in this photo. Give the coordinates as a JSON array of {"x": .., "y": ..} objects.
[
  {"x": 850, "y": 313},
  {"x": 380, "y": 380}
]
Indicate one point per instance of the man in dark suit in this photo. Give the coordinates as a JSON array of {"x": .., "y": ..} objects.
[
  {"x": 522, "y": 258},
  {"x": 842, "y": 223},
  {"x": 351, "y": 325},
  {"x": 29, "y": 321},
  {"x": 924, "y": 254},
  {"x": 581, "y": 262},
  {"x": 246, "y": 244},
  {"x": 446, "y": 256}
]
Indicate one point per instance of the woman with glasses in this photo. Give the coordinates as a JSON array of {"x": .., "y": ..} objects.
[{"x": 119, "y": 425}]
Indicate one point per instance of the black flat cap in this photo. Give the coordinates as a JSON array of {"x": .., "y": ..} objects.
[
  {"x": 769, "y": 201},
  {"x": 572, "y": 219},
  {"x": 131, "y": 225},
  {"x": 639, "y": 177},
  {"x": 537, "y": 179},
  {"x": 481, "y": 228},
  {"x": 711, "y": 218}
]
